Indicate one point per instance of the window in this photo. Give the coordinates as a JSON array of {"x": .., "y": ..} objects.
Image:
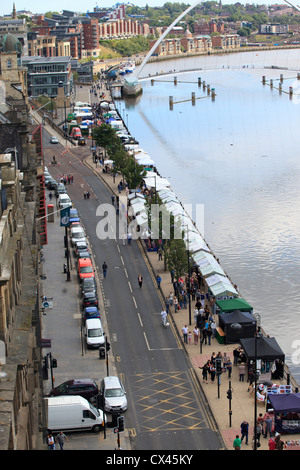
[{"x": 9, "y": 64}]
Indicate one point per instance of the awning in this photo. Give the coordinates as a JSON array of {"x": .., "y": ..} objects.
[
  {"x": 220, "y": 286},
  {"x": 267, "y": 348},
  {"x": 229, "y": 305}
]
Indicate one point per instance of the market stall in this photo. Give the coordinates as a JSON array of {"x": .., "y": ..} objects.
[
  {"x": 287, "y": 412},
  {"x": 229, "y": 305},
  {"x": 268, "y": 354},
  {"x": 228, "y": 321}
]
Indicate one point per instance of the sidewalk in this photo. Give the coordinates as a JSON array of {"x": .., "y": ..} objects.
[
  {"x": 242, "y": 404},
  {"x": 62, "y": 325}
]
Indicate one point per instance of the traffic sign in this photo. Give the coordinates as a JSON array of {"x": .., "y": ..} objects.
[{"x": 116, "y": 430}]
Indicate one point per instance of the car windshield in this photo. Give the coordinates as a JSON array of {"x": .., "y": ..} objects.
[
  {"x": 95, "y": 333},
  {"x": 114, "y": 392},
  {"x": 89, "y": 283},
  {"x": 78, "y": 234},
  {"x": 86, "y": 269}
]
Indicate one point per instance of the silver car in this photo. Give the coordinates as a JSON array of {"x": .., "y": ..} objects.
[{"x": 113, "y": 393}]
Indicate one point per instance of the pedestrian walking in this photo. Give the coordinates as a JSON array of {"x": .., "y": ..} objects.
[
  {"x": 185, "y": 334},
  {"x": 244, "y": 431},
  {"x": 88, "y": 195},
  {"x": 104, "y": 269},
  {"x": 242, "y": 372},
  {"x": 158, "y": 280},
  {"x": 279, "y": 444},
  {"x": 196, "y": 334},
  {"x": 129, "y": 238},
  {"x": 84, "y": 195},
  {"x": 175, "y": 304},
  {"x": 60, "y": 439},
  {"x": 268, "y": 426},
  {"x": 140, "y": 280},
  {"x": 113, "y": 199},
  {"x": 237, "y": 443},
  {"x": 204, "y": 372},
  {"x": 229, "y": 368},
  {"x": 159, "y": 253},
  {"x": 50, "y": 442},
  {"x": 272, "y": 443}
]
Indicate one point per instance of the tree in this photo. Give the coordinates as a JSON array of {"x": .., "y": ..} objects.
[
  {"x": 176, "y": 257},
  {"x": 134, "y": 173},
  {"x": 104, "y": 136}
]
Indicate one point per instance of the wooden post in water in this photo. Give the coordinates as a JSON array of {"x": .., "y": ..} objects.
[
  {"x": 280, "y": 88},
  {"x": 171, "y": 103},
  {"x": 263, "y": 80},
  {"x": 199, "y": 81},
  {"x": 152, "y": 82},
  {"x": 204, "y": 86},
  {"x": 175, "y": 81},
  {"x": 271, "y": 83},
  {"x": 298, "y": 76},
  {"x": 213, "y": 94},
  {"x": 208, "y": 90},
  {"x": 291, "y": 92},
  {"x": 193, "y": 98},
  {"x": 281, "y": 77}
]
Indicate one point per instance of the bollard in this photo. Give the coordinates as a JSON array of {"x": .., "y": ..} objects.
[
  {"x": 263, "y": 80},
  {"x": 193, "y": 98},
  {"x": 175, "y": 81},
  {"x": 171, "y": 103},
  {"x": 213, "y": 94}
]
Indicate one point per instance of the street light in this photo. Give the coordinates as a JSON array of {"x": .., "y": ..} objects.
[
  {"x": 237, "y": 327},
  {"x": 189, "y": 281},
  {"x": 257, "y": 324}
]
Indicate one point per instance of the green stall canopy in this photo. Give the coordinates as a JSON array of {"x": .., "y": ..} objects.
[{"x": 229, "y": 305}]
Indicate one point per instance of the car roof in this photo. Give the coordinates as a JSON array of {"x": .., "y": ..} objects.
[
  {"x": 85, "y": 262},
  {"x": 112, "y": 382},
  {"x": 91, "y": 309}
]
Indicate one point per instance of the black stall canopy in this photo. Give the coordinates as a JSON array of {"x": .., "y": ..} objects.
[
  {"x": 288, "y": 405},
  {"x": 246, "y": 322},
  {"x": 267, "y": 349}
]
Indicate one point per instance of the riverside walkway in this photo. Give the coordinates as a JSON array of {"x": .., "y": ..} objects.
[{"x": 242, "y": 403}]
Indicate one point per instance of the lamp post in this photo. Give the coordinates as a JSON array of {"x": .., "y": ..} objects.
[
  {"x": 189, "y": 283},
  {"x": 257, "y": 324},
  {"x": 236, "y": 327}
]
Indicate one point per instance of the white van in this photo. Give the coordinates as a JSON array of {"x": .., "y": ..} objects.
[
  {"x": 93, "y": 333},
  {"x": 64, "y": 201},
  {"x": 77, "y": 235},
  {"x": 72, "y": 413}
]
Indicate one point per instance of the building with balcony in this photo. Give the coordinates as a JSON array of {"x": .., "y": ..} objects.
[{"x": 45, "y": 73}]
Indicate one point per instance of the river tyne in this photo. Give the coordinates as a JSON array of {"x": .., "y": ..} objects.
[{"x": 239, "y": 157}]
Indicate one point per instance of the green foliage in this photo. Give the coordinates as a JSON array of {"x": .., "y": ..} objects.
[
  {"x": 127, "y": 47},
  {"x": 176, "y": 257}
]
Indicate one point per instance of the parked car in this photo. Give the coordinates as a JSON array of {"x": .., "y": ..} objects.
[
  {"x": 76, "y": 133},
  {"x": 77, "y": 234},
  {"x": 80, "y": 246},
  {"x": 86, "y": 388},
  {"x": 88, "y": 285},
  {"x": 61, "y": 189},
  {"x": 52, "y": 184},
  {"x": 85, "y": 268},
  {"x": 90, "y": 299},
  {"x": 113, "y": 393},
  {"x": 64, "y": 201},
  {"x": 93, "y": 333},
  {"x": 53, "y": 140},
  {"x": 90, "y": 312}
]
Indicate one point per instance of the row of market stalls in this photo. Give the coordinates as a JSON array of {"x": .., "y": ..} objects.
[{"x": 232, "y": 310}]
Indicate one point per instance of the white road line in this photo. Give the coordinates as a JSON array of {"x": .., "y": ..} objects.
[
  {"x": 118, "y": 248},
  {"x": 134, "y": 302},
  {"x": 130, "y": 286},
  {"x": 140, "y": 319},
  {"x": 146, "y": 341},
  {"x": 122, "y": 260},
  {"x": 126, "y": 273}
]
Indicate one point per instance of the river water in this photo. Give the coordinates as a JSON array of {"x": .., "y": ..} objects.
[{"x": 239, "y": 156}]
